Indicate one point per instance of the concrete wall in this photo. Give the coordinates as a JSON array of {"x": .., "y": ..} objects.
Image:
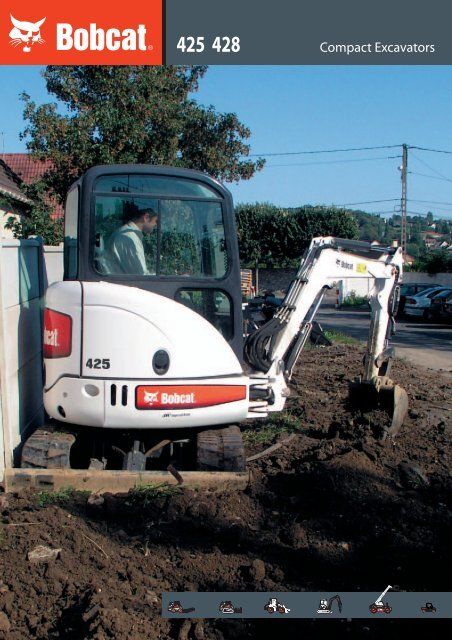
[
  {"x": 26, "y": 269},
  {"x": 423, "y": 278},
  {"x": 362, "y": 286}
]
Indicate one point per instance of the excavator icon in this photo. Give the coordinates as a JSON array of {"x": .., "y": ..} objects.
[{"x": 325, "y": 606}]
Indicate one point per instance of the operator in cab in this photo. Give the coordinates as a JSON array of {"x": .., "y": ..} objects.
[{"x": 126, "y": 244}]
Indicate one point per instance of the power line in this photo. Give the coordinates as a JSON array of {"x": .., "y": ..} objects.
[
  {"x": 425, "y": 175},
  {"x": 426, "y": 164},
  {"x": 430, "y": 201},
  {"x": 352, "y": 204},
  {"x": 306, "y": 164},
  {"x": 300, "y": 153},
  {"x": 348, "y": 149},
  {"x": 428, "y": 149}
]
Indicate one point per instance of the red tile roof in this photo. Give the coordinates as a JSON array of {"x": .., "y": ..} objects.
[
  {"x": 29, "y": 170},
  {"x": 10, "y": 184},
  {"x": 25, "y": 166}
]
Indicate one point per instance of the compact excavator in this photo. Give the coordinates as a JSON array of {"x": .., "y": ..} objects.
[{"x": 145, "y": 356}]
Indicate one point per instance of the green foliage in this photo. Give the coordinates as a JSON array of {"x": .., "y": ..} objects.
[
  {"x": 434, "y": 262},
  {"x": 337, "y": 337},
  {"x": 268, "y": 432},
  {"x": 353, "y": 300},
  {"x": 259, "y": 230},
  {"x": 147, "y": 494},
  {"x": 56, "y": 497},
  {"x": 132, "y": 114},
  {"x": 37, "y": 220},
  {"x": 278, "y": 237}
]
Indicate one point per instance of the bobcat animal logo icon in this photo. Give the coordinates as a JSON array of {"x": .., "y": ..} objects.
[
  {"x": 25, "y": 34},
  {"x": 150, "y": 398}
]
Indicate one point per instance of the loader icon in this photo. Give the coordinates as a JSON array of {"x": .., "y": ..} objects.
[
  {"x": 227, "y": 607},
  {"x": 275, "y": 606}
]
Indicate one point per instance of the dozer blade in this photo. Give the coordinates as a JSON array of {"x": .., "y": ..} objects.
[{"x": 382, "y": 393}]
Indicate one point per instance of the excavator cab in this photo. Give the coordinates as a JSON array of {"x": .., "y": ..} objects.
[{"x": 165, "y": 230}]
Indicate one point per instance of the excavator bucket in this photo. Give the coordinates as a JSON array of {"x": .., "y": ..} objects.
[{"x": 382, "y": 393}]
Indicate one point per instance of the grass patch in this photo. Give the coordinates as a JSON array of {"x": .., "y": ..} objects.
[
  {"x": 147, "y": 494},
  {"x": 63, "y": 496},
  {"x": 268, "y": 432},
  {"x": 337, "y": 337}
]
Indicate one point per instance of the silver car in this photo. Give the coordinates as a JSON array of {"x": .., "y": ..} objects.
[{"x": 419, "y": 305}]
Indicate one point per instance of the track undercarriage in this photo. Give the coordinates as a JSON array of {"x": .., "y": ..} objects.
[{"x": 55, "y": 446}]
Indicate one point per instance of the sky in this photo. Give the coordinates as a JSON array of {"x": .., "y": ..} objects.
[{"x": 299, "y": 108}]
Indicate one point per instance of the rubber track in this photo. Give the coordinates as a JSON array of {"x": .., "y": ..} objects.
[
  {"x": 221, "y": 449},
  {"x": 47, "y": 449}
]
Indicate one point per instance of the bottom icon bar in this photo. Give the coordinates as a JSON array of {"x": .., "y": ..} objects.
[{"x": 308, "y": 604}]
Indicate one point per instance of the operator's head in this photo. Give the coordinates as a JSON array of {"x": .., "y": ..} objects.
[{"x": 145, "y": 219}]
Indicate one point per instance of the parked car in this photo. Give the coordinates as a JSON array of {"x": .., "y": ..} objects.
[
  {"x": 411, "y": 289},
  {"x": 419, "y": 305},
  {"x": 441, "y": 307}
]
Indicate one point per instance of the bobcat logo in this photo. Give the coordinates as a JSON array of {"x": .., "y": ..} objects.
[
  {"x": 25, "y": 34},
  {"x": 150, "y": 398}
]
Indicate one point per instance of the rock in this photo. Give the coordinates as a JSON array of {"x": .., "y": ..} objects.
[
  {"x": 42, "y": 553},
  {"x": 5, "y": 624},
  {"x": 298, "y": 536},
  {"x": 369, "y": 453},
  {"x": 95, "y": 500},
  {"x": 412, "y": 475},
  {"x": 151, "y": 597},
  {"x": 257, "y": 570}
]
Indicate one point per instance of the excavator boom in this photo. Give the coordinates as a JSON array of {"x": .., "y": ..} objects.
[{"x": 274, "y": 349}]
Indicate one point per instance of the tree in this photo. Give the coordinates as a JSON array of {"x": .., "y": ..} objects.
[
  {"x": 36, "y": 221},
  {"x": 434, "y": 262},
  {"x": 321, "y": 221},
  {"x": 132, "y": 114},
  {"x": 278, "y": 237}
]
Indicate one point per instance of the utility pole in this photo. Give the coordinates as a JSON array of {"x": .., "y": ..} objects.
[{"x": 404, "y": 171}]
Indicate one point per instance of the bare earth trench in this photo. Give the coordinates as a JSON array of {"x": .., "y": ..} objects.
[{"x": 331, "y": 510}]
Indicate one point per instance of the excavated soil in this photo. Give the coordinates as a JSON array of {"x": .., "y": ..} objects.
[{"x": 333, "y": 509}]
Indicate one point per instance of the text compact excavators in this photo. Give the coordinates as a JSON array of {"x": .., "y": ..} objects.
[{"x": 145, "y": 357}]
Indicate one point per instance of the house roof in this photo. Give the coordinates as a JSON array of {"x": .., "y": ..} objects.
[
  {"x": 10, "y": 184},
  {"x": 27, "y": 168}
]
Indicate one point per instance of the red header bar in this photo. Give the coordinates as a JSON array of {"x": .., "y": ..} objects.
[{"x": 85, "y": 33}]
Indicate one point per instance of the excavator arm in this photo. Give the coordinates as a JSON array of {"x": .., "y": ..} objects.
[{"x": 274, "y": 348}]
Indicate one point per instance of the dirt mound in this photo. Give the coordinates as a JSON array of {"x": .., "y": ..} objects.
[{"x": 331, "y": 510}]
